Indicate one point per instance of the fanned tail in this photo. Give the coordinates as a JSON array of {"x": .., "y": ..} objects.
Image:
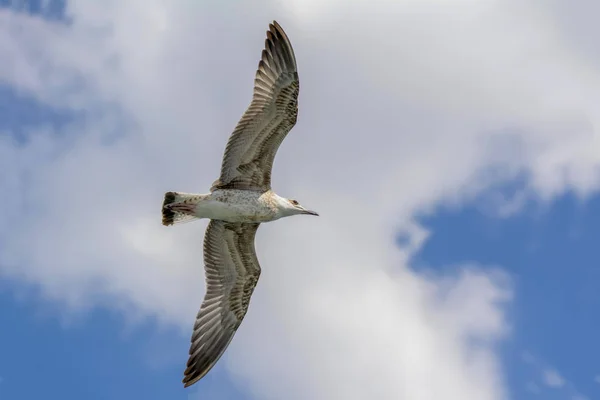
[{"x": 179, "y": 207}]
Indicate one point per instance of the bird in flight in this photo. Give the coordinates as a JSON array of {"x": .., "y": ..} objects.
[{"x": 239, "y": 201}]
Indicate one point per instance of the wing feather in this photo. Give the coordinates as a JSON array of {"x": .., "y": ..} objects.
[
  {"x": 232, "y": 271},
  {"x": 251, "y": 149}
]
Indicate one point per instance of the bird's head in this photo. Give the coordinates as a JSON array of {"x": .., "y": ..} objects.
[{"x": 292, "y": 207}]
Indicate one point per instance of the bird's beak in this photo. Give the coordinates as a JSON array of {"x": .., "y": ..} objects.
[{"x": 309, "y": 212}]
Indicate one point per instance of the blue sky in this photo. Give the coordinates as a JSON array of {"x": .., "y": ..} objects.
[
  {"x": 550, "y": 253},
  {"x": 98, "y": 298}
]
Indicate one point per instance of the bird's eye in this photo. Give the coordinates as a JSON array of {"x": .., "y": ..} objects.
[{"x": 294, "y": 202}]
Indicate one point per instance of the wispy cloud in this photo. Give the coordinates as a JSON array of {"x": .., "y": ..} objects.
[
  {"x": 552, "y": 378},
  {"x": 579, "y": 397},
  {"x": 532, "y": 387}
]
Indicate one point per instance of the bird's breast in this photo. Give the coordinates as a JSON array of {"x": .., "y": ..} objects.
[{"x": 236, "y": 206}]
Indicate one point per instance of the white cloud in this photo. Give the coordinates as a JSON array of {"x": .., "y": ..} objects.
[
  {"x": 404, "y": 107},
  {"x": 552, "y": 378}
]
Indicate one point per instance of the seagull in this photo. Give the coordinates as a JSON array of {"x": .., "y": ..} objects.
[{"x": 239, "y": 201}]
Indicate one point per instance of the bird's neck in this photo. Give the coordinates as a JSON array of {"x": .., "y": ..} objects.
[{"x": 281, "y": 206}]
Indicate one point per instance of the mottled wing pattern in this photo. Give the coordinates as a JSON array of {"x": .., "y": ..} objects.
[
  {"x": 232, "y": 271},
  {"x": 252, "y": 146}
]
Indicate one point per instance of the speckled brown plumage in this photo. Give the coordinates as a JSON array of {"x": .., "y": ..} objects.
[
  {"x": 273, "y": 112},
  {"x": 232, "y": 271}
]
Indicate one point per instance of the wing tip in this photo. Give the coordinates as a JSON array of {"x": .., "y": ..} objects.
[
  {"x": 278, "y": 33},
  {"x": 189, "y": 381},
  {"x": 275, "y": 26},
  {"x": 191, "y": 374}
]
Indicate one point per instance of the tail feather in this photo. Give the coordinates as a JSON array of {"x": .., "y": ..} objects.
[
  {"x": 168, "y": 215},
  {"x": 179, "y": 208}
]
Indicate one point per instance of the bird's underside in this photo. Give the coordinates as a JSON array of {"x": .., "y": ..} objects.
[
  {"x": 231, "y": 266},
  {"x": 230, "y": 205}
]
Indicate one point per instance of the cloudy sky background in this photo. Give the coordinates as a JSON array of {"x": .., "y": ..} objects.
[{"x": 450, "y": 146}]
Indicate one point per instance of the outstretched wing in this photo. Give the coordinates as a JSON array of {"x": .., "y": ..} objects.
[
  {"x": 232, "y": 271},
  {"x": 252, "y": 146}
]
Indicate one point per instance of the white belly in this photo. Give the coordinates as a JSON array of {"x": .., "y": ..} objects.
[{"x": 237, "y": 206}]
